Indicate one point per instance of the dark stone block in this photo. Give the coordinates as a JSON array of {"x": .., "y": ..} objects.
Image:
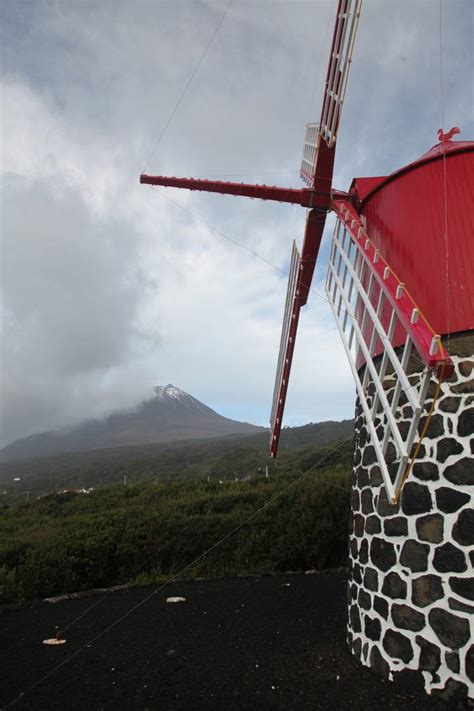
[
  {"x": 465, "y": 367},
  {"x": 371, "y": 579},
  {"x": 430, "y": 657},
  {"x": 359, "y": 525},
  {"x": 394, "y": 586},
  {"x": 464, "y": 587},
  {"x": 460, "y": 606},
  {"x": 435, "y": 427},
  {"x": 373, "y": 525},
  {"x": 348, "y": 594},
  {"x": 452, "y": 661},
  {"x": 426, "y": 589},
  {"x": 354, "y": 548},
  {"x": 453, "y": 691},
  {"x": 416, "y": 499},
  {"x": 396, "y": 526},
  {"x": 391, "y": 453},
  {"x": 386, "y": 507},
  {"x": 382, "y": 554},
  {"x": 354, "y": 618},
  {"x": 426, "y": 471},
  {"x": 449, "y": 559},
  {"x": 363, "y": 477},
  {"x": 356, "y": 573},
  {"x": 450, "y": 500},
  {"x": 430, "y": 528},
  {"x": 369, "y": 457},
  {"x": 363, "y": 437},
  {"x": 420, "y": 453},
  {"x": 373, "y": 628},
  {"x": 354, "y": 591},
  {"x": 393, "y": 470},
  {"x": 375, "y": 477},
  {"x": 378, "y": 663},
  {"x": 357, "y": 461},
  {"x": 446, "y": 447},
  {"x": 357, "y": 647},
  {"x": 367, "y": 501},
  {"x": 462, "y": 472},
  {"x": 355, "y": 500},
  {"x": 365, "y": 650},
  {"x": 403, "y": 428},
  {"x": 407, "y": 618},
  {"x": 464, "y": 388},
  {"x": 415, "y": 556},
  {"x": 470, "y": 663},
  {"x": 364, "y": 551},
  {"x": 381, "y": 606},
  {"x": 463, "y": 529},
  {"x": 450, "y": 403},
  {"x": 466, "y": 423},
  {"x": 398, "y": 646},
  {"x": 451, "y": 630},
  {"x": 364, "y": 600}
]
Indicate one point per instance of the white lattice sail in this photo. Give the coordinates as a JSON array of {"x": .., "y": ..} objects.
[
  {"x": 287, "y": 342},
  {"x": 384, "y": 334}
]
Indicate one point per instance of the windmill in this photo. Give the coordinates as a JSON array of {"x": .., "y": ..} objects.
[
  {"x": 400, "y": 286},
  {"x": 373, "y": 308}
]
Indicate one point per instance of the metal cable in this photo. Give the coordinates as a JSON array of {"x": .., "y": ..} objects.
[
  {"x": 187, "y": 567},
  {"x": 188, "y": 84}
]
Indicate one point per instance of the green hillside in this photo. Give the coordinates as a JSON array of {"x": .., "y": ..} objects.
[
  {"x": 155, "y": 529},
  {"x": 223, "y": 458}
]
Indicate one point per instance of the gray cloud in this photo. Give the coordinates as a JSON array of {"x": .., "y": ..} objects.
[
  {"x": 71, "y": 292},
  {"x": 108, "y": 287}
]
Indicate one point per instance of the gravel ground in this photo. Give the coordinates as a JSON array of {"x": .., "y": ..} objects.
[{"x": 247, "y": 643}]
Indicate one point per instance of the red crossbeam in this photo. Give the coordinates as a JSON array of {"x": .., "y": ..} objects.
[{"x": 307, "y": 197}]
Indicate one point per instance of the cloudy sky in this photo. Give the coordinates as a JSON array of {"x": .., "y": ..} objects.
[{"x": 109, "y": 287}]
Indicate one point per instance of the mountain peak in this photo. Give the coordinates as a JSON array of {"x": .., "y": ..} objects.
[
  {"x": 170, "y": 415},
  {"x": 169, "y": 391}
]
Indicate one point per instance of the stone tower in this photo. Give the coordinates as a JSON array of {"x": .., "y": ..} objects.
[{"x": 411, "y": 589}]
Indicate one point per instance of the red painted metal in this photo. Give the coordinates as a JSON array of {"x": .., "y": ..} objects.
[
  {"x": 405, "y": 216},
  {"x": 313, "y": 233},
  {"x": 420, "y": 332},
  {"x": 307, "y": 197}
]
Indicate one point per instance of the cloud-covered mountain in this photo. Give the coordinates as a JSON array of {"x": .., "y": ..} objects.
[{"x": 170, "y": 415}]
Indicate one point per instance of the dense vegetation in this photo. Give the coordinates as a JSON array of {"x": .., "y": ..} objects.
[{"x": 151, "y": 530}]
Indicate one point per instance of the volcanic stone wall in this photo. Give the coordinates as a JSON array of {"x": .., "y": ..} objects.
[{"x": 411, "y": 590}]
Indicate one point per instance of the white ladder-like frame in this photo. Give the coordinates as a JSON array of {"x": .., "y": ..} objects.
[
  {"x": 310, "y": 152},
  {"x": 345, "y": 31},
  {"x": 355, "y": 267},
  {"x": 288, "y": 317}
]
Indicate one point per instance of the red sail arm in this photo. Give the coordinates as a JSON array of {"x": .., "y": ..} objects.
[{"x": 307, "y": 197}]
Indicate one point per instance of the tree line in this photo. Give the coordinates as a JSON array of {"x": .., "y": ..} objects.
[{"x": 149, "y": 531}]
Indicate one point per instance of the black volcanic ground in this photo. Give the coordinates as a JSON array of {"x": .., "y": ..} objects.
[{"x": 235, "y": 645}]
